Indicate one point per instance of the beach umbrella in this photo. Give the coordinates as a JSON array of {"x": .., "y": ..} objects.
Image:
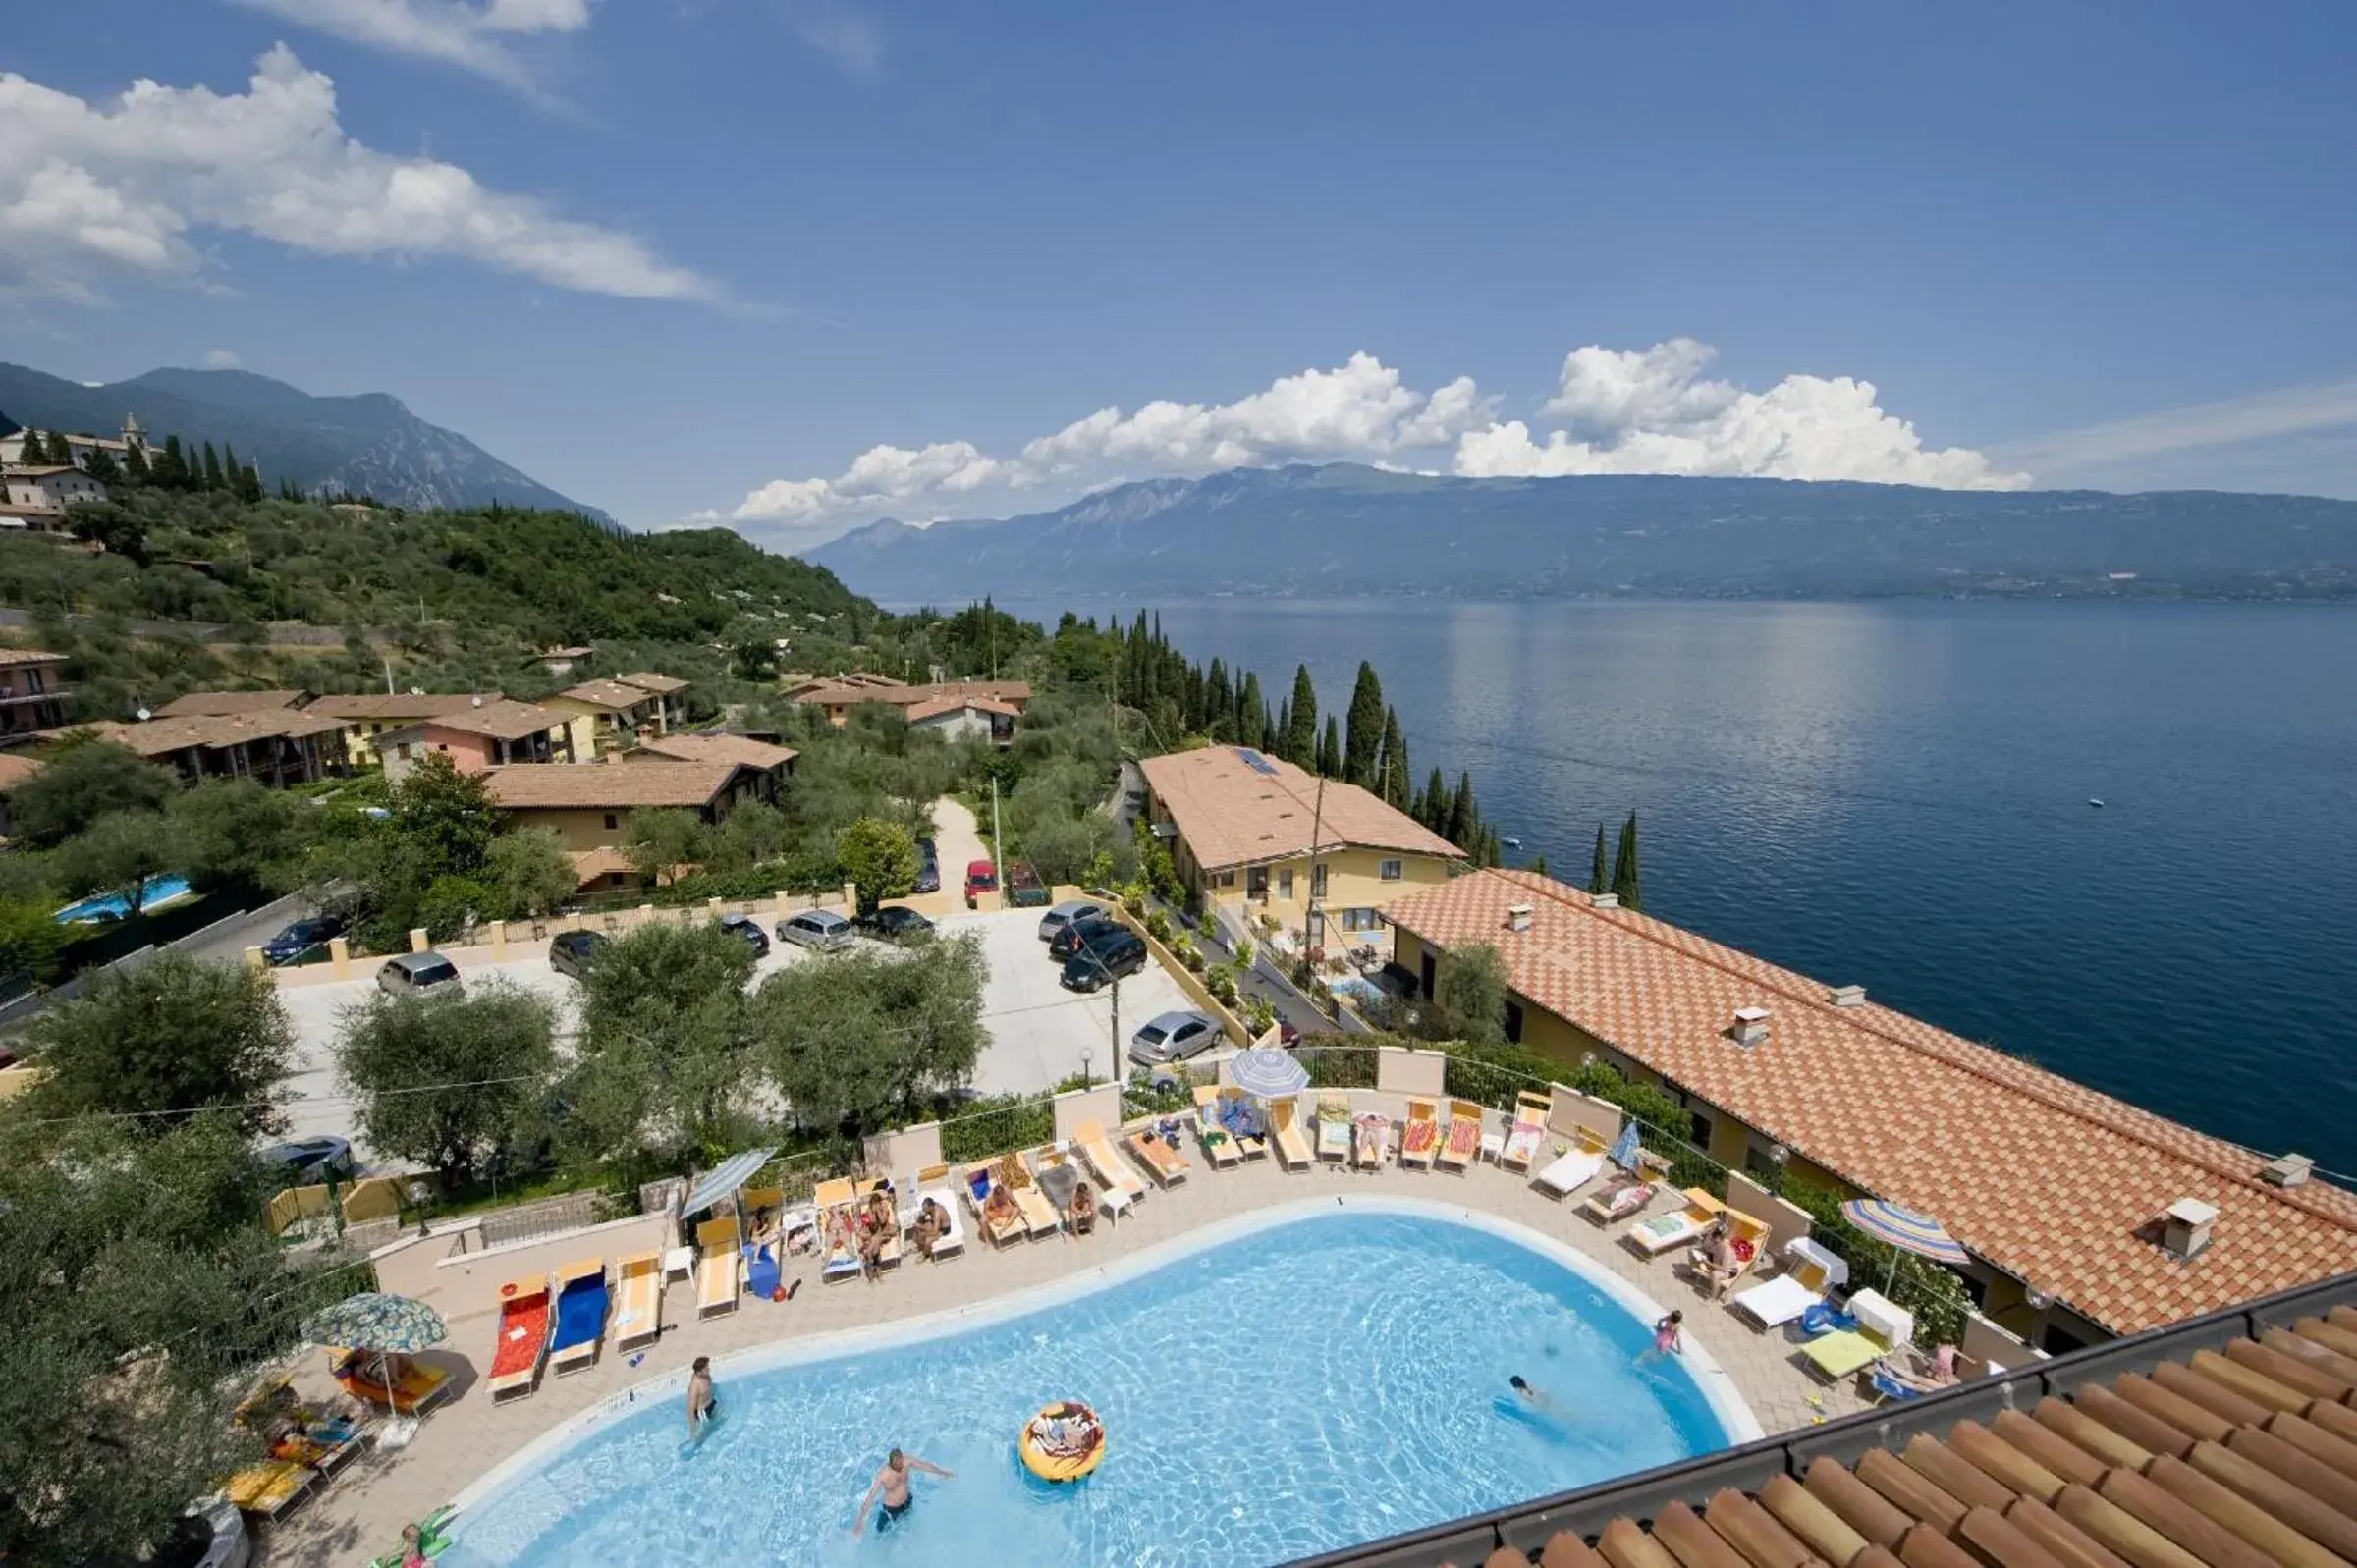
[
  {"x": 1903, "y": 1229},
  {"x": 1268, "y": 1072},
  {"x": 1624, "y": 1152},
  {"x": 373, "y": 1320}
]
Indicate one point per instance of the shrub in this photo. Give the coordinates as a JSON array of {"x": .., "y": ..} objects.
[
  {"x": 1158, "y": 926},
  {"x": 1243, "y": 954},
  {"x": 1339, "y": 1067},
  {"x": 1222, "y": 982},
  {"x": 994, "y": 1125},
  {"x": 1182, "y": 947}
]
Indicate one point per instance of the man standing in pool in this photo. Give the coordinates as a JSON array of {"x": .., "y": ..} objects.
[
  {"x": 703, "y": 1406},
  {"x": 893, "y": 1482}
]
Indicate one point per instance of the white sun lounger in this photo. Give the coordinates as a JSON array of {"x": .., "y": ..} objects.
[
  {"x": 1569, "y": 1172},
  {"x": 1775, "y": 1302}
]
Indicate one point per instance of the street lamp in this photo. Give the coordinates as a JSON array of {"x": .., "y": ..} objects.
[{"x": 1087, "y": 1076}]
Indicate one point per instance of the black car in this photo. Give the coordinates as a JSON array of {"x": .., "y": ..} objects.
[
  {"x": 928, "y": 870},
  {"x": 749, "y": 930},
  {"x": 1085, "y": 929},
  {"x": 572, "y": 953},
  {"x": 1100, "y": 959},
  {"x": 300, "y": 938},
  {"x": 897, "y": 922}
]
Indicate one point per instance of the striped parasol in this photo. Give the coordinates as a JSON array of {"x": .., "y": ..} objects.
[
  {"x": 1268, "y": 1072},
  {"x": 373, "y": 1320},
  {"x": 1903, "y": 1229}
]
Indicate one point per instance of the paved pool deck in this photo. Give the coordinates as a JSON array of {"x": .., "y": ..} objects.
[{"x": 360, "y": 1513}]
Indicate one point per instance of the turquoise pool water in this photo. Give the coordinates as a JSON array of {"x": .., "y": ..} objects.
[
  {"x": 1329, "y": 1381},
  {"x": 157, "y": 891}
]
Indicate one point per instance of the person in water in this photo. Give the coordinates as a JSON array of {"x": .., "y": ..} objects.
[
  {"x": 891, "y": 1484},
  {"x": 1536, "y": 1398},
  {"x": 1668, "y": 1339},
  {"x": 704, "y": 1405}
]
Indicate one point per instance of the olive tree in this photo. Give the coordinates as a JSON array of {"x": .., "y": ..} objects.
[
  {"x": 166, "y": 1040},
  {"x": 881, "y": 859},
  {"x": 665, "y": 1048},
  {"x": 458, "y": 1082},
  {"x": 861, "y": 1040}
]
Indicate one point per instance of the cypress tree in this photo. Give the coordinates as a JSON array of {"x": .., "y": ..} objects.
[
  {"x": 1625, "y": 867},
  {"x": 135, "y": 464},
  {"x": 1363, "y": 752},
  {"x": 1392, "y": 778},
  {"x": 103, "y": 467},
  {"x": 250, "y": 484},
  {"x": 1464, "y": 819},
  {"x": 1268, "y": 735},
  {"x": 231, "y": 471},
  {"x": 212, "y": 467},
  {"x": 1285, "y": 731},
  {"x": 1251, "y": 713},
  {"x": 1600, "y": 876},
  {"x": 172, "y": 468},
  {"x": 1301, "y": 728},
  {"x": 1432, "y": 809},
  {"x": 1538, "y": 863},
  {"x": 1329, "y": 748}
]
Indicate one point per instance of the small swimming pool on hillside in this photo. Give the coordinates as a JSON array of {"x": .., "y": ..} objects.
[
  {"x": 1314, "y": 1377},
  {"x": 157, "y": 891}
]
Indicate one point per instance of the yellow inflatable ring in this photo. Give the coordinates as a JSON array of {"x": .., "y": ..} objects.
[{"x": 1060, "y": 1467}]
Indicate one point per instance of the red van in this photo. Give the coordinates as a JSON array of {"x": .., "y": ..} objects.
[{"x": 981, "y": 876}]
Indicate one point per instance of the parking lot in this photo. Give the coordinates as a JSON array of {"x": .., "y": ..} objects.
[{"x": 1037, "y": 1029}]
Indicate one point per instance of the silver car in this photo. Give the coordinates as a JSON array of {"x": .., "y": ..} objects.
[
  {"x": 1065, "y": 915},
  {"x": 822, "y": 929},
  {"x": 1173, "y": 1036}
]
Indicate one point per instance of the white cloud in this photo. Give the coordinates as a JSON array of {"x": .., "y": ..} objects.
[
  {"x": 469, "y": 36},
  {"x": 1613, "y": 411},
  {"x": 122, "y": 185},
  {"x": 222, "y": 360},
  {"x": 2258, "y": 416}
]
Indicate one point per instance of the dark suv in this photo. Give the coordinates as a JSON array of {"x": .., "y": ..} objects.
[
  {"x": 1102, "y": 956},
  {"x": 1062, "y": 944},
  {"x": 572, "y": 953}
]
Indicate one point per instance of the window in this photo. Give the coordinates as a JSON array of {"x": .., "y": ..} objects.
[
  {"x": 1390, "y": 870},
  {"x": 1226, "y": 878},
  {"x": 1513, "y": 1022},
  {"x": 613, "y": 821},
  {"x": 1317, "y": 880},
  {"x": 1285, "y": 885},
  {"x": 1362, "y": 920},
  {"x": 401, "y": 751},
  {"x": 1701, "y": 1128}
]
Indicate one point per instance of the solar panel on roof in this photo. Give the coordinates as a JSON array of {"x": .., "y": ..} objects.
[{"x": 1256, "y": 762}]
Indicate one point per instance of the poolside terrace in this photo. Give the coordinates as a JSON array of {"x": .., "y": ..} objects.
[{"x": 362, "y": 1512}]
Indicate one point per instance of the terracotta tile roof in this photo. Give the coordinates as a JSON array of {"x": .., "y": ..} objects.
[
  {"x": 501, "y": 718},
  {"x": 594, "y": 786},
  {"x": 16, "y": 768},
  {"x": 159, "y": 737},
  {"x": 609, "y": 694},
  {"x": 22, "y": 657},
  {"x": 402, "y": 707},
  {"x": 648, "y": 681},
  {"x": 2042, "y": 1178},
  {"x": 195, "y": 703},
  {"x": 714, "y": 748},
  {"x": 936, "y": 707},
  {"x": 858, "y": 688},
  {"x": 1232, "y": 813}
]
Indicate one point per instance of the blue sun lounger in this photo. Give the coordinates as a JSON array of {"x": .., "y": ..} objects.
[
  {"x": 761, "y": 1269},
  {"x": 581, "y": 1316}
]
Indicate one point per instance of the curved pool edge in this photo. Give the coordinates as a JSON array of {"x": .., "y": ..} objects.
[{"x": 1718, "y": 1389}]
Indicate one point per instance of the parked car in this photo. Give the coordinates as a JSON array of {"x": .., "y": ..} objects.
[
  {"x": 981, "y": 876},
  {"x": 299, "y": 937},
  {"x": 409, "y": 974},
  {"x": 1065, "y": 914},
  {"x": 1100, "y": 959},
  {"x": 748, "y": 930},
  {"x": 308, "y": 1160},
  {"x": 897, "y": 922},
  {"x": 572, "y": 953},
  {"x": 1024, "y": 889},
  {"x": 928, "y": 869},
  {"x": 822, "y": 929},
  {"x": 1173, "y": 1036},
  {"x": 1063, "y": 944}
]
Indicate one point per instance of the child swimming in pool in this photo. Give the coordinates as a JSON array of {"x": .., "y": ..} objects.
[
  {"x": 1668, "y": 1339},
  {"x": 1536, "y": 1398}
]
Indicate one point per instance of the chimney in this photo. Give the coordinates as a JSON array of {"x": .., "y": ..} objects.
[
  {"x": 2185, "y": 1227},
  {"x": 1850, "y": 996},
  {"x": 1517, "y": 917},
  {"x": 2290, "y": 1170},
  {"x": 1751, "y": 1026},
  {"x": 1604, "y": 901}
]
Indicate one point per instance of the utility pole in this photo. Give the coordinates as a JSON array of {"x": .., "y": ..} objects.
[
  {"x": 1317, "y": 910},
  {"x": 997, "y": 861}
]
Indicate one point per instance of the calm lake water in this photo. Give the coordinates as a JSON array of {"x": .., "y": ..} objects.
[{"x": 1895, "y": 795}]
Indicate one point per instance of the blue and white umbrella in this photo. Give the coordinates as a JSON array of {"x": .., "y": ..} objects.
[
  {"x": 1624, "y": 1152},
  {"x": 1268, "y": 1071}
]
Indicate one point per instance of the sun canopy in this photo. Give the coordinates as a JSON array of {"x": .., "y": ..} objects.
[
  {"x": 372, "y": 1320},
  {"x": 1905, "y": 1229},
  {"x": 1267, "y": 1072},
  {"x": 728, "y": 1175}
]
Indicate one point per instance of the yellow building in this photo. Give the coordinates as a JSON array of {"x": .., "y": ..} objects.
[
  {"x": 2074, "y": 1205},
  {"x": 1253, "y": 835},
  {"x": 370, "y": 715},
  {"x": 615, "y": 712}
]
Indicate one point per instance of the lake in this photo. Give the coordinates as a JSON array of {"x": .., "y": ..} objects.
[{"x": 1896, "y": 794}]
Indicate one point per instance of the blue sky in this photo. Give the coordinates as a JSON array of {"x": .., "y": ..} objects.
[{"x": 795, "y": 265}]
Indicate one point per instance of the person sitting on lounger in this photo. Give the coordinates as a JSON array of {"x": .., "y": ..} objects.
[
  {"x": 1000, "y": 1210},
  {"x": 1720, "y": 1263},
  {"x": 1084, "y": 1209},
  {"x": 927, "y": 1229},
  {"x": 871, "y": 1246},
  {"x": 892, "y": 1481}
]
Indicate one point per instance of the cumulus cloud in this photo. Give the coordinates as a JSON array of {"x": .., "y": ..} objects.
[
  {"x": 122, "y": 186},
  {"x": 1649, "y": 410},
  {"x": 471, "y": 36},
  {"x": 222, "y": 360}
]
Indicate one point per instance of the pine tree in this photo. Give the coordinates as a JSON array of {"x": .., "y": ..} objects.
[
  {"x": 1465, "y": 818},
  {"x": 1329, "y": 748},
  {"x": 1393, "y": 781},
  {"x": 1625, "y": 867},
  {"x": 1538, "y": 863},
  {"x": 1600, "y": 876},
  {"x": 1302, "y": 727},
  {"x": 212, "y": 467},
  {"x": 135, "y": 463},
  {"x": 1432, "y": 809},
  {"x": 103, "y": 466},
  {"x": 35, "y": 452},
  {"x": 1362, "y": 755}
]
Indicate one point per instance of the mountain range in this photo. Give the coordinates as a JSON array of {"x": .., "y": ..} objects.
[
  {"x": 370, "y": 445},
  {"x": 1344, "y": 530}
]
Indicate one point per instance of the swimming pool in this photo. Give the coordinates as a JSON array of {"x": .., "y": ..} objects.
[
  {"x": 158, "y": 890},
  {"x": 1313, "y": 1377}
]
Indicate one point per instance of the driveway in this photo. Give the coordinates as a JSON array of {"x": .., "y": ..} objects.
[
  {"x": 956, "y": 842},
  {"x": 1037, "y": 1029}
]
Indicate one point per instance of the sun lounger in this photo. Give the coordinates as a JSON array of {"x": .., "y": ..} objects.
[
  {"x": 637, "y": 1299},
  {"x": 1783, "y": 1299},
  {"x": 416, "y": 1386},
  {"x": 1040, "y": 1218},
  {"x": 1372, "y": 1142},
  {"x": 719, "y": 1267},
  {"x": 839, "y": 1245},
  {"x": 523, "y": 1339},
  {"x": 1570, "y": 1170},
  {"x": 1162, "y": 1159},
  {"x": 1420, "y": 1136},
  {"x": 1657, "y": 1234},
  {"x": 581, "y": 1300},
  {"x": 978, "y": 1184},
  {"x": 1843, "y": 1353},
  {"x": 934, "y": 1182},
  {"x": 1333, "y": 1130},
  {"x": 1617, "y": 1201},
  {"x": 271, "y": 1488},
  {"x": 1462, "y": 1144},
  {"x": 1529, "y": 1133},
  {"x": 1238, "y": 1116},
  {"x": 1293, "y": 1150},
  {"x": 1112, "y": 1173},
  {"x": 1217, "y": 1143}
]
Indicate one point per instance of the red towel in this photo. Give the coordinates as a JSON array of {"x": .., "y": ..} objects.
[{"x": 518, "y": 1352}]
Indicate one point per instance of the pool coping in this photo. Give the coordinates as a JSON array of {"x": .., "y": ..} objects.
[{"x": 1717, "y": 1389}]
